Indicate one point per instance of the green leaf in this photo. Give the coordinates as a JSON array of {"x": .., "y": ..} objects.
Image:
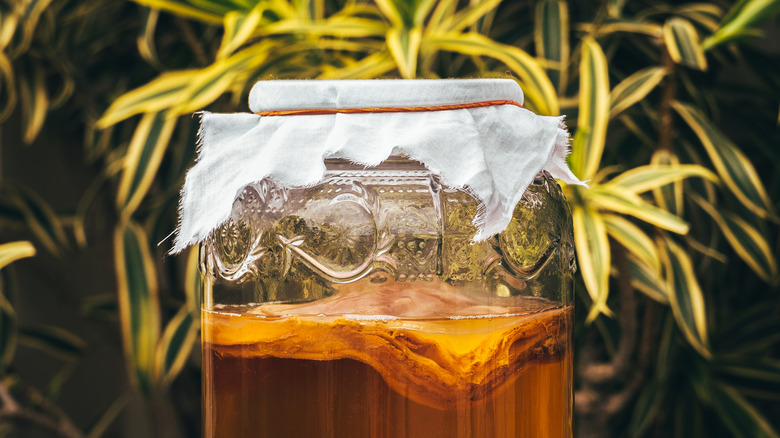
[
  {"x": 175, "y": 346},
  {"x": 734, "y": 168},
  {"x": 588, "y": 144},
  {"x": 55, "y": 341},
  {"x": 670, "y": 196},
  {"x": 625, "y": 202},
  {"x": 466, "y": 17},
  {"x": 634, "y": 88},
  {"x": 13, "y": 251},
  {"x": 740, "y": 20},
  {"x": 7, "y": 87},
  {"x": 193, "y": 285},
  {"x": 214, "y": 80},
  {"x": 633, "y": 239},
  {"x": 35, "y": 103},
  {"x": 759, "y": 378},
  {"x": 404, "y": 46},
  {"x": 739, "y": 416},
  {"x": 593, "y": 257},
  {"x": 145, "y": 40},
  {"x": 209, "y": 11},
  {"x": 682, "y": 44},
  {"x": 371, "y": 66},
  {"x": 536, "y": 85},
  {"x": 647, "y": 280},
  {"x": 647, "y": 407},
  {"x": 644, "y": 178},
  {"x": 146, "y": 150},
  {"x": 551, "y": 37},
  {"x": 100, "y": 426},
  {"x": 238, "y": 28},
  {"x": 156, "y": 96},
  {"x": 41, "y": 220},
  {"x": 139, "y": 308},
  {"x": 686, "y": 298},
  {"x": 7, "y": 325},
  {"x": 622, "y": 26},
  {"x": 746, "y": 240}
]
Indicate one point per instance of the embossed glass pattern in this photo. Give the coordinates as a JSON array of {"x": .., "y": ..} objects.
[{"x": 361, "y": 306}]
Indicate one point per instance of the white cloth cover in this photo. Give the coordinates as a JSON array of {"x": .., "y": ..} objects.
[{"x": 492, "y": 152}]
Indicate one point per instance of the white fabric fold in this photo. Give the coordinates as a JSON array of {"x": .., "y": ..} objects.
[{"x": 492, "y": 152}]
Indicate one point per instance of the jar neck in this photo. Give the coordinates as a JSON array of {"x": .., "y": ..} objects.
[{"x": 393, "y": 162}]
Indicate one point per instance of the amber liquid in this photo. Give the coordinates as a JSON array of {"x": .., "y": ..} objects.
[{"x": 285, "y": 371}]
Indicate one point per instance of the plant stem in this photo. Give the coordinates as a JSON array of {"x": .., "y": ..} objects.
[
  {"x": 669, "y": 93},
  {"x": 56, "y": 422}
]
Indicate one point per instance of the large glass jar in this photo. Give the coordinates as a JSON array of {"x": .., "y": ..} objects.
[{"x": 361, "y": 307}]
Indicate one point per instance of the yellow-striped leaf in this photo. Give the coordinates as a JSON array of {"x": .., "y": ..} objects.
[
  {"x": 732, "y": 165},
  {"x": 55, "y": 341},
  {"x": 192, "y": 281},
  {"x": 623, "y": 202},
  {"x": 13, "y": 251},
  {"x": 41, "y": 220},
  {"x": 537, "y": 87},
  {"x": 641, "y": 28},
  {"x": 648, "y": 280},
  {"x": 238, "y": 28},
  {"x": 371, "y": 66},
  {"x": 8, "y": 325},
  {"x": 337, "y": 26},
  {"x": 588, "y": 143},
  {"x": 404, "y": 45},
  {"x": 31, "y": 12},
  {"x": 685, "y": 297},
  {"x": 214, "y": 80},
  {"x": 633, "y": 239},
  {"x": 644, "y": 178},
  {"x": 593, "y": 256},
  {"x": 740, "y": 20},
  {"x": 670, "y": 196},
  {"x": 7, "y": 88},
  {"x": 746, "y": 240},
  {"x": 467, "y": 16},
  {"x": 139, "y": 307},
  {"x": 204, "y": 10},
  {"x": 143, "y": 158},
  {"x": 175, "y": 346},
  {"x": 145, "y": 40},
  {"x": 682, "y": 44},
  {"x": 634, "y": 88},
  {"x": 551, "y": 36},
  {"x": 739, "y": 416},
  {"x": 35, "y": 103},
  {"x": 158, "y": 95},
  {"x": 99, "y": 427}
]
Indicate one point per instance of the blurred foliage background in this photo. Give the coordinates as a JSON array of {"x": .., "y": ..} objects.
[{"x": 673, "y": 108}]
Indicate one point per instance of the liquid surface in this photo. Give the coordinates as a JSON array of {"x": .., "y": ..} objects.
[{"x": 383, "y": 361}]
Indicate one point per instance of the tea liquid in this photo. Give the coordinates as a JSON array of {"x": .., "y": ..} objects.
[{"x": 313, "y": 370}]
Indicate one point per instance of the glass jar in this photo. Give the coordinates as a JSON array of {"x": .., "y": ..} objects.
[{"x": 361, "y": 307}]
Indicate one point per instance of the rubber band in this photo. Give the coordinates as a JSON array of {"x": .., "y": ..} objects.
[{"x": 390, "y": 109}]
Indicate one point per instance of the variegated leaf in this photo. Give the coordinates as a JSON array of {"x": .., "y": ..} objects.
[
  {"x": 682, "y": 44},
  {"x": 139, "y": 307},
  {"x": 238, "y": 28},
  {"x": 685, "y": 297},
  {"x": 13, "y": 251},
  {"x": 741, "y": 418},
  {"x": 537, "y": 87},
  {"x": 551, "y": 36},
  {"x": 734, "y": 168},
  {"x": 143, "y": 158},
  {"x": 648, "y": 280},
  {"x": 739, "y": 22},
  {"x": 645, "y": 178},
  {"x": 55, "y": 341},
  {"x": 633, "y": 239},
  {"x": 589, "y": 141},
  {"x": 634, "y": 88},
  {"x": 747, "y": 241},
  {"x": 175, "y": 346},
  {"x": 625, "y": 202},
  {"x": 593, "y": 257}
]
